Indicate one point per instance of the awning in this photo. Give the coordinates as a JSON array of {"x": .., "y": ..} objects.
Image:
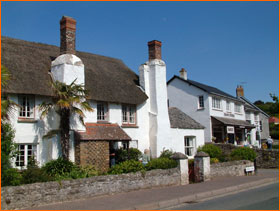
[
  {"x": 233, "y": 122},
  {"x": 107, "y": 131}
]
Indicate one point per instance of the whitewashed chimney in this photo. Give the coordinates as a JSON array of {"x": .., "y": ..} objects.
[
  {"x": 68, "y": 67},
  {"x": 153, "y": 81},
  {"x": 183, "y": 74}
]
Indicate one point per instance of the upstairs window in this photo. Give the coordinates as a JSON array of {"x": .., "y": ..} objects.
[
  {"x": 102, "y": 112},
  {"x": 129, "y": 114},
  {"x": 228, "y": 107},
  {"x": 237, "y": 108},
  {"x": 248, "y": 117},
  {"x": 26, "y": 103},
  {"x": 200, "y": 102},
  {"x": 216, "y": 103}
]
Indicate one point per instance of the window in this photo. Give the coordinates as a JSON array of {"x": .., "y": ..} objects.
[
  {"x": 247, "y": 115},
  {"x": 25, "y": 152},
  {"x": 261, "y": 127},
  {"x": 190, "y": 146},
  {"x": 228, "y": 106},
  {"x": 102, "y": 112},
  {"x": 237, "y": 108},
  {"x": 200, "y": 102},
  {"x": 26, "y": 103},
  {"x": 216, "y": 103},
  {"x": 129, "y": 114}
]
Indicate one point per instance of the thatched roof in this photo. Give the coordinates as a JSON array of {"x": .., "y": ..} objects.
[
  {"x": 178, "y": 119},
  {"x": 107, "y": 79}
]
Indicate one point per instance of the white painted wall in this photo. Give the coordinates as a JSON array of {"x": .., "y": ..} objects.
[{"x": 185, "y": 97}]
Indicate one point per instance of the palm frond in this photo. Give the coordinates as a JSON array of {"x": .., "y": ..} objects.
[
  {"x": 51, "y": 133},
  {"x": 45, "y": 108}
]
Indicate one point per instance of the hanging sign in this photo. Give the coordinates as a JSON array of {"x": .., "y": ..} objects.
[{"x": 230, "y": 129}]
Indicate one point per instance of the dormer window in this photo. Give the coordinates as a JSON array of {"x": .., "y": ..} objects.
[
  {"x": 129, "y": 114},
  {"x": 26, "y": 103},
  {"x": 102, "y": 111}
]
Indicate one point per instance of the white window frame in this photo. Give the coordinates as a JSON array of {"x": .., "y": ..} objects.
[
  {"x": 190, "y": 149},
  {"x": 23, "y": 152},
  {"x": 237, "y": 108},
  {"x": 200, "y": 102},
  {"x": 102, "y": 111},
  {"x": 248, "y": 116},
  {"x": 228, "y": 107},
  {"x": 216, "y": 103},
  {"x": 129, "y": 114},
  {"x": 27, "y": 106}
]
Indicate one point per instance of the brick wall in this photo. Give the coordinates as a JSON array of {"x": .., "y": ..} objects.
[{"x": 93, "y": 153}]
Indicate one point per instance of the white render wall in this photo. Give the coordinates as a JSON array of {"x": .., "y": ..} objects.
[
  {"x": 185, "y": 97},
  {"x": 177, "y": 142}
]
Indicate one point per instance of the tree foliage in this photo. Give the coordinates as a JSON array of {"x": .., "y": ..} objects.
[
  {"x": 271, "y": 108},
  {"x": 67, "y": 100}
]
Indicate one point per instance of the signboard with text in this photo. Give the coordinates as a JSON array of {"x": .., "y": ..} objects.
[{"x": 230, "y": 129}]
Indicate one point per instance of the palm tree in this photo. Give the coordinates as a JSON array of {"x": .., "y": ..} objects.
[
  {"x": 6, "y": 104},
  {"x": 67, "y": 100}
]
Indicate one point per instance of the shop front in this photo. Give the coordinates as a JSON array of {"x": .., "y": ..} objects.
[{"x": 232, "y": 131}]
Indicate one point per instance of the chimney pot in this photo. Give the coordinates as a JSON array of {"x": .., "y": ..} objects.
[
  {"x": 67, "y": 35},
  {"x": 154, "y": 49},
  {"x": 239, "y": 91},
  {"x": 183, "y": 74}
]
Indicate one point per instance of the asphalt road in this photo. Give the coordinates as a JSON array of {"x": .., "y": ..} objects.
[{"x": 263, "y": 198}]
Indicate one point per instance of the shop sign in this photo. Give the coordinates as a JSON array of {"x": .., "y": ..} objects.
[
  {"x": 250, "y": 168},
  {"x": 229, "y": 114},
  {"x": 230, "y": 129}
]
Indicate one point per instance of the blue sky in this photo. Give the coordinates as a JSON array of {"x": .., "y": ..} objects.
[{"x": 221, "y": 44}]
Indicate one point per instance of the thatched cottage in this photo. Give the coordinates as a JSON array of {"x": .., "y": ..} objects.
[{"x": 129, "y": 110}]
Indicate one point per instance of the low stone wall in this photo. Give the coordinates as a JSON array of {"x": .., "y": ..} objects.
[
  {"x": 232, "y": 168},
  {"x": 265, "y": 158},
  {"x": 26, "y": 196}
]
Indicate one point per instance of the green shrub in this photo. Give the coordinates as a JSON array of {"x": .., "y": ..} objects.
[
  {"x": 35, "y": 174},
  {"x": 122, "y": 155},
  {"x": 214, "y": 160},
  {"x": 161, "y": 163},
  {"x": 58, "y": 167},
  {"x": 166, "y": 153},
  {"x": 11, "y": 177},
  {"x": 243, "y": 153},
  {"x": 126, "y": 167},
  {"x": 275, "y": 146},
  {"x": 212, "y": 150},
  {"x": 89, "y": 170}
]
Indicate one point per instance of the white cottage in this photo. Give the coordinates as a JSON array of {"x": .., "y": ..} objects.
[
  {"x": 224, "y": 116},
  {"x": 129, "y": 110}
]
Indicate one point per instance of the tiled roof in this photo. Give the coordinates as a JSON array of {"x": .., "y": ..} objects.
[
  {"x": 178, "y": 119},
  {"x": 101, "y": 132},
  {"x": 233, "y": 122}
]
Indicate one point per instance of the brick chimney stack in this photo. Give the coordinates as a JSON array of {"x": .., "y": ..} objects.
[
  {"x": 239, "y": 91},
  {"x": 67, "y": 35},
  {"x": 154, "y": 49}
]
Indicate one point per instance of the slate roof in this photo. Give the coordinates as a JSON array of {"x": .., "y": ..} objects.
[
  {"x": 107, "y": 79},
  {"x": 233, "y": 122},
  {"x": 178, "y": 119},
  {"x": 252, "y": 106},
  {"x": 206, "y": 88},
  {"x": 101, "y": 132}
]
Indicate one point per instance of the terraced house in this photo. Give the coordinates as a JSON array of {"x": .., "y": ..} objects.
[
  {"x": 129, "y": 110},
  {"x": 226, "y": 118}
]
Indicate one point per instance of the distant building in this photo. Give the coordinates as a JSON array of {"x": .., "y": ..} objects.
[{"x": 226, "y": 118}]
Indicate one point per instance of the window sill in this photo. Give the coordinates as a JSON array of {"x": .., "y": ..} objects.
[
  {"x": 27, "y": 120},
  {"x": 217, "y": 109},
  {"x": 129, "y": 126},
  {"x": 102, "y": 121},
  {"x": 237, "y": 113},
  {"x": 201, "y": 109}
]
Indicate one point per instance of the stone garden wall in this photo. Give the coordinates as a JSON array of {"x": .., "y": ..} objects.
[
  {"x": 232, "y": 168},
  {"x": 26, "y": 196},
  {"x": 265, "y": 158}
]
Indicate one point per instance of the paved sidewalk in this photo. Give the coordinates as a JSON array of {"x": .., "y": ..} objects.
[{"x": 159, "y": 198}]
